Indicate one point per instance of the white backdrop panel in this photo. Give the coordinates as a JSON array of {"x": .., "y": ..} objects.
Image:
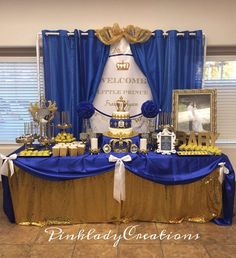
[{"x": 121, "y": 77}]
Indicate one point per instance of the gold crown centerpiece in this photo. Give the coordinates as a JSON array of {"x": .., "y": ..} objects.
[
  {"x": 43, "y": 111},
  {"x": 120, "y": 145},
  {"x": 122, "y": 66}
]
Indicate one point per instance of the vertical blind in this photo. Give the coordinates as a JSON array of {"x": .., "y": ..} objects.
[{"x": 18, "y": 88}]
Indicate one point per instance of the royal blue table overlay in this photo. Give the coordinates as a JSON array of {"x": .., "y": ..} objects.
[{"x": 163, "y": 169}]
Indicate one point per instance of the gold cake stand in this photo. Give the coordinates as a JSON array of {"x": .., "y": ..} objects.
[{"x": 121, "y": 135}]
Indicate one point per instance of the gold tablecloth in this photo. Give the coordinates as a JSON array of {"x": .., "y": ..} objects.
[{"x": 40, "y": 202}]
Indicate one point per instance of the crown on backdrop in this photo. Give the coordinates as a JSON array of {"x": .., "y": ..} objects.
[{"x": 122, "y": 66}]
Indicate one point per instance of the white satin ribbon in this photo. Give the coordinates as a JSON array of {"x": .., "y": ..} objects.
[
  {"x": 223, "y": 170},
  {"x": 4, "y": 168},
  {"x": 119, "y": 177}
]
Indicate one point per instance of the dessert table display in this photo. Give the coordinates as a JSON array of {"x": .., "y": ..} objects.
[
  {"x": 80, "y": 189},
  {"x": 117, "y": 178}
]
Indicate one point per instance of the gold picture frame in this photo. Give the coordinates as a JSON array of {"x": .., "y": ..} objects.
[{"x": 194, "y": 110}]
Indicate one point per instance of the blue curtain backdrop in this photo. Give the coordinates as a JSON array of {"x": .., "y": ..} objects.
[
  {"x": 172, "y": 61},
  {"x": 73, "y": 66}
]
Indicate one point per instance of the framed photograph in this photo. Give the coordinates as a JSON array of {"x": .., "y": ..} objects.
[{"x": 194, "y": 110}]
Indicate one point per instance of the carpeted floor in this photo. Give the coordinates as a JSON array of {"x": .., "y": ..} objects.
[{"x": 30, "y": 241}]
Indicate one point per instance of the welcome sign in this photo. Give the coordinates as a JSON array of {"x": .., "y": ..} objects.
[{"x": 121, "y": 77}]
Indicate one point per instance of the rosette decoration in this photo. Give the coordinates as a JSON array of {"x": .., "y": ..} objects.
[
  {"x": 85, "y": 111},
  {"x": 150, "y": 111}
]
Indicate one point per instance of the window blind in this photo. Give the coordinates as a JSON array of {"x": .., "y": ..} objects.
[
  {"x": 226, "y": 108},
  {"x": 18, "y": 88},
  {"x": 220, "y": 74}
]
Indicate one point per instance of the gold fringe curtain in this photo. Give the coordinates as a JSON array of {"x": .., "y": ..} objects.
[
  {"x": 133, "y": 34},
  {"x": 42, "y": 202}
]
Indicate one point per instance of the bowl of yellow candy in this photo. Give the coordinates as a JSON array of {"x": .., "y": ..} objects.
[
  {"x": 193, "y": 149},
  {"x": 35, "y": 153},
  {"x": 65, "y": 137}
]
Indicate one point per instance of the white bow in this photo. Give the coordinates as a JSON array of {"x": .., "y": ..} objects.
[
  {"x": 223, "y": 170},
  {"x": 119, "y": 177},
  {"x": 4, "y": 168}
]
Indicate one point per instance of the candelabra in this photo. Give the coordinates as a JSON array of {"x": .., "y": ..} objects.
[
  {"x": 46, "y": 137},
  {"x": 63, "y": 121},
  {"x": 30, "y": 134}
]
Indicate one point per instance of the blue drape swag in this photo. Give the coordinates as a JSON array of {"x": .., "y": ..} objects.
[
  {"x": 73, "y": 66},
  {"x": 172, "y": 61}
]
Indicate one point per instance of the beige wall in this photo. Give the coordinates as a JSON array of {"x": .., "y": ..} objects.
[
  {"x": 21, "y": 20},
  {"x": 6, "y": 149}
]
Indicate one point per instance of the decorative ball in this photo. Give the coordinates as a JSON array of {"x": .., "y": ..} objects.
[
  {"x": 85, "y": 110},
  {"x": 149, "y": 109}
]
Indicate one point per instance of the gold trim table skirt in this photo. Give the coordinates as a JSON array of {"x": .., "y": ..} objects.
[{"x": 42, "y": 202}]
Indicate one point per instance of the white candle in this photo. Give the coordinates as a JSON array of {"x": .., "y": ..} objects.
[
  {"x": 53, "y": 130},
  {"x": 63, "y": 118},
  {"x": 94, "y": 143},
  {"x": 31, "y": 128},
  {"x": 41, "y": 130},
  {"x": 36, "y": 129},
  {"x": 45, "y": 130},
  {"x": 143, "y": 144}
]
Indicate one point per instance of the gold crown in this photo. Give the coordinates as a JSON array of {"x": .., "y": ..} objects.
[
  {"x": 120, "y": 145},
  {"x": 121, "y": 104},
  {"x": 122, "y": 66}
]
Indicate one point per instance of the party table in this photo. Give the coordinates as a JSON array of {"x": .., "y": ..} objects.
[{"x": 160, "y": 188}]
